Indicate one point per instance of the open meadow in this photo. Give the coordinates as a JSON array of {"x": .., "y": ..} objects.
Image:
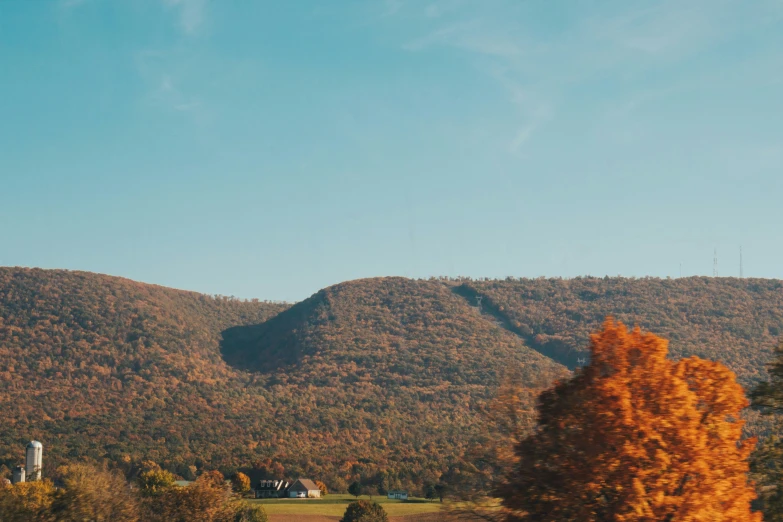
[
  {"x": 334, "y": 506},
  {"x": 422, "y": 517}
]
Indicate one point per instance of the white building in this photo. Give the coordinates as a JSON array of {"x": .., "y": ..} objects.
[
  {"x": 304, "y": 488},
  {"x": 34, "y": 461},
  {"x": 18, "y": 475}
]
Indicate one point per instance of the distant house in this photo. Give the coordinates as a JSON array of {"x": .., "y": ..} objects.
[
  {"x": 398, "y": 494},
  {"x": 272, "y": 489},
  {"x": 304, "y": 488},
  {"x": 183, "y": 483}
]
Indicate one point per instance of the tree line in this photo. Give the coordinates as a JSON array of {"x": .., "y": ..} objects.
[
  {"x": 632, "y": 436},
  {"x": 386, "y": 386},
  {"x": 82, "y": 492}
]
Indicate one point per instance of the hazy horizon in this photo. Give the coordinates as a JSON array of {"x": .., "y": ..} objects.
[{"x": 316, "y": 290}]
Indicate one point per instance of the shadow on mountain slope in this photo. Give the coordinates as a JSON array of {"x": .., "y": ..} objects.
[
  {"x": 275, "y": 344},
  {"x": 556, "y": 350},
  {"x": 386, "y": 331}
]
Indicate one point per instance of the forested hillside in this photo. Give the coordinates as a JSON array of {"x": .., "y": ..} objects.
[
  {"x": 368, "y": 376},
  {"x": 374, "y": 377},
  {"x": 735, "y": 321},
  {"x": 101, "y": 366}
]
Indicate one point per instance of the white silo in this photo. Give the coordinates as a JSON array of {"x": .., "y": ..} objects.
[
  {"x": 18, "y": 475},
  {"x": 34, "y": 461}
]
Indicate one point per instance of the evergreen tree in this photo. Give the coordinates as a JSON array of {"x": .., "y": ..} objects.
[
  {"x": 440, "y": 491},
  {"x": 767, "y": 396},
  {"x": 767, "y": 460},
  {"x": 355, "y": 489},
  {"x": 383, "y": 488}
]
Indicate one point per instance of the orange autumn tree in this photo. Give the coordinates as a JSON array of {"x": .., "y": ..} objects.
[{"x": 634, "y": 436}]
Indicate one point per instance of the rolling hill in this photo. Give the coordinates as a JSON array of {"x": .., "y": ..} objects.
[
  {"x": 384, "y": 375},
  {"x": 735, "y": 321}
]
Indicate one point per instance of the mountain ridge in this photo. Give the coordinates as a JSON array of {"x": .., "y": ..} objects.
[
  {"x": 110, "y": 369},
  {"x": 370, "y": 377}
]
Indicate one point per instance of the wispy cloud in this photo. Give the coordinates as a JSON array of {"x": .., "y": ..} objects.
[
  {"x": 71, "y": 4},
  {"x": 531, "y": 109},
  {"x": 169, "y": 94},
  {"x": 189, "y": 106},
  {"x": 164, "y": 88},
  {"x": 486, "y": 39},
  {"x": 666, "y": 28},
  {"x": 391, "y": 7},
  {"x": 191, "y": 13},
  {"x": 469, "y": 36},
  {"x": 168, "y": 73},
  {"x": 432, "y": 11},
  {"x": 442, "y": 8},
  {"x": 522, "y": 135},
  {"x": 628, "y": 42}
]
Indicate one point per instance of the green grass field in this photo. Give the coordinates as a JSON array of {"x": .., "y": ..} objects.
[{"x": 334, "y": 505}]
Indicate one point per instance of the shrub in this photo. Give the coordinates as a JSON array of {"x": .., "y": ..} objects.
[
  {"x": 251, "y": 513},
  {"x": 154, "y": 482},
  {"x": 364, "y": 511},
  {"x": 89, "y": 493},
  {"x": 240, "y": 483},
  {"x": 26, "y": 501},
  {"x": 355, "y": 489},
  {"x": 199, "y": 502}
]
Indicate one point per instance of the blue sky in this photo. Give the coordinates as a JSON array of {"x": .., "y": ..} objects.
[{"x": 269, "y": 149}]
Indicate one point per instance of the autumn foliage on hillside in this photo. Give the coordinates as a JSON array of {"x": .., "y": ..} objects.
[
  {"x": 382, "y": 384},
  {"x": 730, "y": 320},
  {"x": 392, "y": 372},
  {"x": 635, "y": 437},
  {"x": 379, "y": 380},
  {"x": 101, "y": 367}
]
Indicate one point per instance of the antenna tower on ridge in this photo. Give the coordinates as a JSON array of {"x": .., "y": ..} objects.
[
  {"x": 742, "y": 274},
  {"x": 715, "y": 264},
  {"x": 478, "y": 300}
]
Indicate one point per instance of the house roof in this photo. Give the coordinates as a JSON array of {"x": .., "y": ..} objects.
[
  {"x": 304, "y": 485},
  {"x": 271, "y": 485}
]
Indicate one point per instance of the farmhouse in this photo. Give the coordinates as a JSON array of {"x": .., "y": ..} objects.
[
  {"x": 272, "y": 489},
  {"x": 304, "y": 488},
  {"x": 398, "y": 494}
]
